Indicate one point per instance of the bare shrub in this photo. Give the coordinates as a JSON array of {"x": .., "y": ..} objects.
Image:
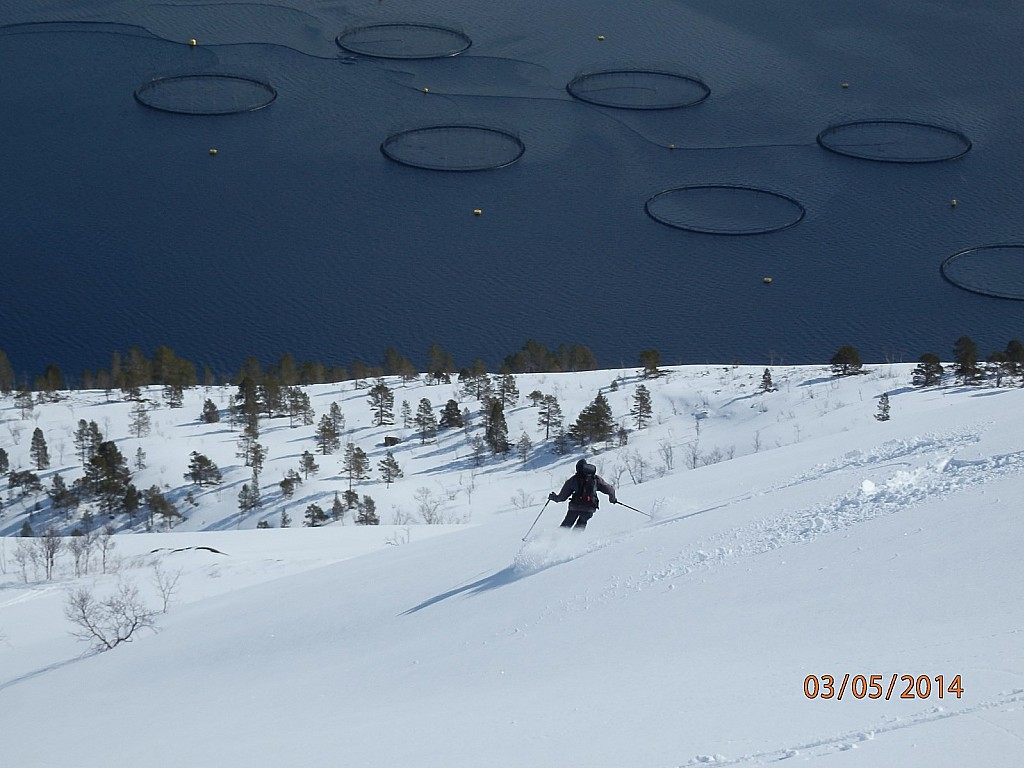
[
  {"x": 106, "y": 544},
  {"x": 398, "y": 538},
  {"x": 107, "y": 623},
  {"x": 522, "y": 500},
  {"x": 636, "y": 466},
  {"x": 429, "y": 506},
  {"x": 50, "y": 545},
  {"x": 166, "y": 584},
  {"x": 617, "y": 471},
  {"x": 25, "y": 555},
  {"x": 80, "y": 548},
  {"x": 667, "y": 453},
  {"x": 400, "y": 517}
]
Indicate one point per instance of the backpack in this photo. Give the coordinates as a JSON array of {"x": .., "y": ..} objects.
[{"x": 586, "y": 487}]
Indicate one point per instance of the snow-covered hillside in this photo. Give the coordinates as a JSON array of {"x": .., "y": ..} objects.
[{"x": 793, "y": 536}]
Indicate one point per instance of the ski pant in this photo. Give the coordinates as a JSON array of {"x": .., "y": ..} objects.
[{"x": 577, "y": 518}]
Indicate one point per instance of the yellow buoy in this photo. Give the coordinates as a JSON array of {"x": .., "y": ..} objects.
[
  {"x": 192, "y": 42},
  {"x": 953, "y": 202},
  {"x": 477, "y": 212},
  {"x": 426, "y": 90},
  {"x": 671, "y": 146},
  {"x": 213, "y": 151},
  {"x": 600, "y": 37},
  {"x": 846, "y": 85},
  {"x": 767, "y": 281}
]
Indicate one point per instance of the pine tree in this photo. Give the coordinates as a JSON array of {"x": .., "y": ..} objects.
[
  {"x": 451, "y": 416},
  {"x": 550, "y": 415},
  {"x": 650, "y": 359},
  {"x": 883, "y": 407},
  {"x": 60, "y": 495},
  {"x": 297, "y": 406},
  {"x": 247, "y": 398},
  {"x": 107, "y": 476},
  {"x": 139, "y": 422},
  {"x": 174, "y": 395},
  {"x": 210, "y": 414},
  {"x": 38, "y": 450},
  {"x": 766, "y": 382},
  {"x": 523, "y": 447},
  {"x": 5, "y": 462},
  {"x": 51, "y": 383},
  {"x": 202, "y": 471},
  {"x": 289, "y": 482},
  {"x": 396, "y": 364},
  {"x": 135, "y": 374},
  {"x": 478, "y": 450},
  {"x": 248, "y": 498},
  {"x": 439, "y": 365},
  {"x": 406, "y": 412},
  {"x": 271, "y": 395},
  {"x": 132, "y": 500},
  {"x": 389, "y": 469},
  {"x": 6, "y": 375},
  {"x": 367, "y": 512},
  {"x": 496, "y": 431},
  {"x": 998, "y": 365},
  {"x": 140, "y": 459},
  {"x": 965, "y": 358},
  {"x": 286, "y": 520},
  {"x": 1015, "y": 357},
  {"x": 355, "y": 464},
  {"x": 23, "y": 401},
  {"x": 286, "y": 371},
  {"x": 928, "y": 372},
  {"x": 337, "y": 417},
  {"x": 382, "y": 403},
  {"x": 308, "y": 465},
  {"x": 337, "y": 509},
  {"x": 426, "y": 422},
  {"x": 259, "y": 454},
  {"x": 642, "y": 409},
  {"x": 576, "y": 357},
  {"x": 327, "y": 439},
  {"x": 476, "y": 384},
  {"x": 351, "y": 498},
  {"x": 315, "y": 516},
  {"x": 507, "y": 390},
  {"x": 594, "y": 423},
  {"x": 846, "y": 361},
  {"x": 248, "y": 444},
  {"x": 159, "y": 504}
]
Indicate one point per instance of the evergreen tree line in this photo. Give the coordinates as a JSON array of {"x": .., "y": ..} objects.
[
  {"x": 967, "y": 365},
  {"x": 129, "y": 372}
]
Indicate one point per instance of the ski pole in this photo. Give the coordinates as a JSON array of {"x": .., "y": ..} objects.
[
  {"x": 538, "y": 518},
  {"x": 621, "y": 504}
]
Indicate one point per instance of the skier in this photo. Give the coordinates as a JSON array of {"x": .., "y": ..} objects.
[{"x": 581, "y": 490}]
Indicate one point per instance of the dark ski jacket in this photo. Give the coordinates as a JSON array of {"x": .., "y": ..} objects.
[{"x": 574, "y": 483}]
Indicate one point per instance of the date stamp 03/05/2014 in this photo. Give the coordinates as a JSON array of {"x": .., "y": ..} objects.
[{"x": 882, "y": 686}]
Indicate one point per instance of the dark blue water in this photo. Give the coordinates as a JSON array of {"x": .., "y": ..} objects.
[{"x": 119, "y": 228}]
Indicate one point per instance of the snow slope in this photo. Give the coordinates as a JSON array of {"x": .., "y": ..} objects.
[{"x": 830, "y": 544}]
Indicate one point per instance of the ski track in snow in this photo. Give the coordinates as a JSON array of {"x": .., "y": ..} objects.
[
  {"x": 907, "y": 486},
  {"x": 890, "y": 451},
  {"x": 849, "y": 740}
]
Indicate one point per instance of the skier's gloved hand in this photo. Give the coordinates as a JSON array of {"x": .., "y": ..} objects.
[
  {"x": 613, "y": 500},
  {"x": 552, "y": 496}
]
